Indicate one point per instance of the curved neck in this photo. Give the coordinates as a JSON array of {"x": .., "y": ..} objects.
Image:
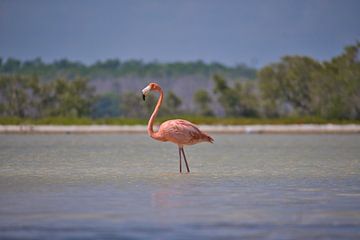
[{"x": 150, "y": 129}]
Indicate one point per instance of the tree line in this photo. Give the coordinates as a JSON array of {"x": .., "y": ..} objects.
[
  {"x": 302, "y": 86},
  {"x": 118, "y": 68},
  {"x": 296, "y": 86},
  {"x": 27, "y": 97}
]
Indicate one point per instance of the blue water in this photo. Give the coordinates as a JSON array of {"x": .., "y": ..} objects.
[{"x": 128, "y": 187}]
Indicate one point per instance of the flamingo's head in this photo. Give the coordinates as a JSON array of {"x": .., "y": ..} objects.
[{"x": 149, "y": 88}]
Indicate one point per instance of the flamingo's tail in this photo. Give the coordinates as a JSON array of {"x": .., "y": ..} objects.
[{"x": 208, "y": 138}]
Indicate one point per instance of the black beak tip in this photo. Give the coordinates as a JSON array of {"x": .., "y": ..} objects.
[{"x": 144, "y": 97}]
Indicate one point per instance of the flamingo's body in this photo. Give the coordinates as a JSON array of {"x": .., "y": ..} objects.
[{"x": 178, "y": 131}]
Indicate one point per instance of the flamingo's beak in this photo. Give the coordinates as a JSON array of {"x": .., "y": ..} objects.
[{"x": 145, "y": 91}]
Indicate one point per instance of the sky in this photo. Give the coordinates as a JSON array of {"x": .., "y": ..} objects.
[{"x": 254, "y": 32}]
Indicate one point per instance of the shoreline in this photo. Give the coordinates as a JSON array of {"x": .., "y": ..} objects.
[{"x": 238, "y": 129}]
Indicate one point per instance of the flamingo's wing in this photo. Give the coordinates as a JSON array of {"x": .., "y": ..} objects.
[{"x": 182, "y": 132}]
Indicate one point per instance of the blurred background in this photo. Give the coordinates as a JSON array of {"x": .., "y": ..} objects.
[{"x": 214, "y": 60}]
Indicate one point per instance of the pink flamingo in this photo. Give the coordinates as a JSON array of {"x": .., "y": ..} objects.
[{"x": 178, "y": 131}]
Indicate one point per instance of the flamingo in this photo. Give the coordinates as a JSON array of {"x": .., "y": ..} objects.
[{"x": 178, "y": 131}]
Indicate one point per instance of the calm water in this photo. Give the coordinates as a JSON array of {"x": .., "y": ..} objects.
[{"x": 128, "y": 187}]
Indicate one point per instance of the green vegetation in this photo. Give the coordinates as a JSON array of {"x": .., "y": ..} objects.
[
  {"x": 203, "y": 100},
  {"x": 301, "y": 86},
  {"x": 117, "y": 68},
  {"x": 238, "y": 101},
  {"x": 297, "y": 89},
  {"x": 27, "y": 97}
]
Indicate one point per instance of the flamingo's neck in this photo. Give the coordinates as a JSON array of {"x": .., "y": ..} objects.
[{"x": 150, "y": 129}]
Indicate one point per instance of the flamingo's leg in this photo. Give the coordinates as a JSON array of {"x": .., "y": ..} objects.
[
  {"x": 180, "y": 159},
  {"x": 187, "y": 165}
]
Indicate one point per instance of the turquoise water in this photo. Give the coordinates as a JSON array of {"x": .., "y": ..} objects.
[{"x": 127, "y": 186}]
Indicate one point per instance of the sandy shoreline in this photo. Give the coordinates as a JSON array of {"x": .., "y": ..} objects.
[{"x": 293, "y": 128}]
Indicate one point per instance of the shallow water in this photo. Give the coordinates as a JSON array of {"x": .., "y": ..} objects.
[{"x": 128, "y": 187}]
